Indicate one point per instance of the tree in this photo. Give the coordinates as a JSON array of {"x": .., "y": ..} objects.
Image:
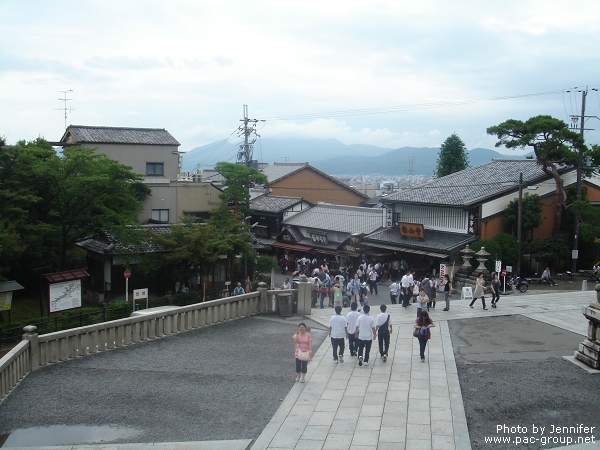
[
  {"x": 54, "y": 200},
  {"x": 186, "y": 252},
  {"x": 238, "y": 179},
  {"x": 452, "y": 158},
  {"x": 554, "y": 145},
  {"x": 531, "y": 215},
  {"x": 551, "y": 250}
]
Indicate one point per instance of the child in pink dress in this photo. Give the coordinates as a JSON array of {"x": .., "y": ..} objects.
[{"x": 303, "y": 341}]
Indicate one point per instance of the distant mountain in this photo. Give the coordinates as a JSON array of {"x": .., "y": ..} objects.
[{"x": 335, "y": 157}]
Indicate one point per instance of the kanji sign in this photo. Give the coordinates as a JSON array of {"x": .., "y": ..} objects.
[
  {"x": 140, "y": 293},
  {"x": 411, "y": 230}
]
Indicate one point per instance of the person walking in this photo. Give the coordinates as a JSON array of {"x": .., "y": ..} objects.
[
  {"x": 302, "y": 352},
  {"x": 239, "y": 290},
  {"x": 433, "y": 282},
  {"x": 495, "y": 290},
  {"x": 447, "y": 291},
  {"x": 406, "y": 292},
  {"x": 424, "y": 325},
  {"x": 546, "y": 277},
  {"x": 383, "y": 328},
  {"x": 364, "y": 294},
  {"x": 351, "y": 319},
  {"x": 479, "y": 290},
  {"x": 338, "y": 331},
  {"x": 373, "y": 281},
  {"x": 422, "y": 301},
  {"x": 365, "y": 333},
  {"x": 353, "y": 288},
  {"x": 394, "y": 288},
  {"x": 248, "y": 285},
  {"x": 337, "y": 293}
]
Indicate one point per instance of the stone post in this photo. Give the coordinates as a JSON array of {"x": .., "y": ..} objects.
[
  {"x": 589, "y": 350},
  {"x": 263, "y": 299},
  {"x": 482, "y": 257},
  {"x": 34, "y": 347},
  {"x": 304, "y": 296},
  {"x": 467, "y": 255}
]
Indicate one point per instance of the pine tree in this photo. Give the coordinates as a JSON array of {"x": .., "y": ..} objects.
[{"x": 453, "y": 157}]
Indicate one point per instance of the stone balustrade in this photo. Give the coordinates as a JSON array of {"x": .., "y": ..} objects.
[{"x": 13, "y": 367}]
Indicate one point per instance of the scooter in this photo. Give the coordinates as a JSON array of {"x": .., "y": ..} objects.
[{"x": 522, "y": 287}]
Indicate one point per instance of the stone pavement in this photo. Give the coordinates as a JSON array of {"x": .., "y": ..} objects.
[{"x": 401, "y": 403}]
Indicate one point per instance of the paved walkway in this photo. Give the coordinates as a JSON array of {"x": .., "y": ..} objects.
[{"x": 401, "y": 403}]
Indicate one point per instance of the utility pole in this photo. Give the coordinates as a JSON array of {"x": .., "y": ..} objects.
[
  {"x": 64, "y": 108},
  {"x": 244, "y": 156},
  {"x": 520, "y": 222}
]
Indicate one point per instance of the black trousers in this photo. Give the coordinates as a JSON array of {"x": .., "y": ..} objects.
[
  {"x": 301, "y": 366},
  {"x": 422, "y": 345},
  {"x": 482, "y": 301},
  {"x": 384, "y": 341},
  {"x": 406, "y": 299},
  {"x": 373, "y": 284},
  {"x": 393, "y": 298},
  {"x": 352, "y": 344},
  {"x": 364, "y": 345},
  {"x": 335, "y": 343}
]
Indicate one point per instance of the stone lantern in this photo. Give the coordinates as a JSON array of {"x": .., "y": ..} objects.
[
  {"x": 482, "y": 257},
  {"x": 467, "y": 255},
  {"x": 589, "y": 350}
]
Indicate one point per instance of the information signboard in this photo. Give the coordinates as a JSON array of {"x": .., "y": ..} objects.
[
  {"x": 467, "y": 293},
  {"x": 5, "y": 301},
  {"x": 66, "y": 295}
]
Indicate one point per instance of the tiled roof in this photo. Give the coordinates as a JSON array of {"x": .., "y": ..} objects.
[
  {"x": 108, "y": 244},
  {"x": 436, "y": 243},
  {"x": 473, "y": 185},
  {"x": 118, "y": 135},
  {"x": 345, "y": 219},
  {"x": 7, "y": 286},
  {"x": 280, "y": 170},
  {"x": 273, "y": 203}
]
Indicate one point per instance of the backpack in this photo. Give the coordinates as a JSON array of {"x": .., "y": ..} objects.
[
  {"x": 383, "y": 328},
  {"x": 322, "y": 288}
]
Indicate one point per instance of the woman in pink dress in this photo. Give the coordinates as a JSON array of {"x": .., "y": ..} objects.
[{"x": 303, "y": 341}]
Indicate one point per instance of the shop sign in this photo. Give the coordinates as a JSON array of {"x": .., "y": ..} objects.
[
  {"x": 286, "y": 237},
  {"x": 388, "y": 218},
  {"x": 319, "y": 238},
  {"x": 351, "y": 248},
  {"x": 411, "y": 230}
]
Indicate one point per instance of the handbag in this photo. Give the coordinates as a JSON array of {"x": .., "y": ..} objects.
[
  {"x": 303, "y": 356},
  {"x": 417, "y": 332}
]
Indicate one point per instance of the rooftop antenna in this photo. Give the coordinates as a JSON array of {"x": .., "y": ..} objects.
[
  {"x": 410, "y": 170},
  {"x": 65, "y": 109}
]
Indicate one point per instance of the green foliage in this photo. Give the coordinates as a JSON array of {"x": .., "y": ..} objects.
[
  {"x": 238, "y": 179},
  {"x": 531, "y": 217},
  {"x": 452, "y": 158},
  {"x": 265, "y": 263},
  {"x": 550, "y": 251},
  {"x": 51, "y": 201},
  {"x": 552, "y": 142},
  {"x": 509, "y": 248},
  {"x": 589, "y": 226}
]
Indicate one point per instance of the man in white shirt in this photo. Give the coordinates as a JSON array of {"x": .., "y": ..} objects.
[
  {"x": 338, "y": 331},
  {"x": 286, "y": 284},
  {"x": 351, "y": 319},
  {"x": 394, "y": 287},
  {"x": 353, "y": 288},
  {"x": 373, "y": 281},
  {"x": 365, "y": 332},
  {"x": 406, "y": 290},
  {"x": 383, "y": 326},
  {"x": 546, "y": 277}
]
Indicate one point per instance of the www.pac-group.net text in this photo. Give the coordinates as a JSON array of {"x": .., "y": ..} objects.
[{"x": 535, "y": 434}]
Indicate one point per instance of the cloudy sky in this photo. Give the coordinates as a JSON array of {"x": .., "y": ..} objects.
[{"x": 190, "y": 66}]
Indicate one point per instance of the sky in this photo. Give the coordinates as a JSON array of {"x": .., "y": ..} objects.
[{"x": 363, "y": 72}]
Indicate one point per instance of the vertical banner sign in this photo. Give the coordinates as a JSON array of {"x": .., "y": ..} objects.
[
  {"x": 442, "y": 271},
  {"x": 388, "y": 218},
  {"x": 498, "y": 266}
]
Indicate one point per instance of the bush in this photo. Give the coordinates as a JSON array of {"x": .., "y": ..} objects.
[{"x": 509, "y": 249}]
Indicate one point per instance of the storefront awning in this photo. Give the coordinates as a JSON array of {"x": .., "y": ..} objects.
[
  {"x": 300, "y": 248},
  {"x": 407, "y": 250}
]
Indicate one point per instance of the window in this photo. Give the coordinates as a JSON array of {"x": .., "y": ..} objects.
[
  {"x": 154, "y": 169},
  {"x": 160, "y": 215}
]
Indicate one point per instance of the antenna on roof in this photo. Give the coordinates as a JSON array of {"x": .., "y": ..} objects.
[
  {"x": 411, "y": 169},
  {"x": 65, "y": 109}
]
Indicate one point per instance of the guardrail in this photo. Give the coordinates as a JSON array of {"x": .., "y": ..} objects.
[{"x": 14, "y": 366}]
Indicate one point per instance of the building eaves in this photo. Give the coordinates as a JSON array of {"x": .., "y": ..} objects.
[
  {"x": 80, "y": 134},
  {"x": 341, "y": 218},
  {"x": 434, "y": 240},
  {"x": 273, "y": 203}
]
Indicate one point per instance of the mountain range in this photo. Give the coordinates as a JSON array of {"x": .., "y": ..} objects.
[{"x": 335, "y": 157}]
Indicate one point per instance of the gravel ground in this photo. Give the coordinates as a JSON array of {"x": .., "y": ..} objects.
[
  {"x": 214, "y": 383},
  {"x": 522, "y": 386}
]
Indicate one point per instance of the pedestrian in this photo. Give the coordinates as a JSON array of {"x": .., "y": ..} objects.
[
  {"x": 394, "y": 288},
  {"x": 479, "y": 290},
  {"x": 447, "y": 285},
  {"x": 323, "y": 291},
  {"x": 239, "y": 290},
  {"x": 383, "y": 327},
  {"x": 373, "y": 281},
  {"x": 248, "y": 284},
  {"x": 365, "y": 333},
  {"x": 423, "y": 324},
  {"x": 303, "y": 351},
  {"x": 434, "y": 287},
  {"x": 337, "y": 293},
  {"x": 495, "y": 290},
  {"x": 351, "y": 319},
  {"x": 422, "y": 301},
  {"x": 546, "y": 277},
  {"x": 338, "y": 331},
  {"x": 405, "y": 292},
  {"x": 353, "y": 288},
  {"x": 286, "y": 284},
  {"x": 415, "y": 291},
  {"x": 426, "y": 286},
  {"x": 364, "y": 294}
]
